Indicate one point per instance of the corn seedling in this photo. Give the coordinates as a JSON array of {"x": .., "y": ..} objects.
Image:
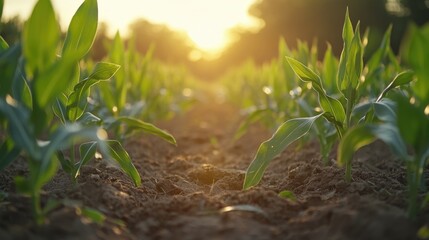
[
  {"x": 337, "y": 111},
  {"x": 405, "y": 128}
]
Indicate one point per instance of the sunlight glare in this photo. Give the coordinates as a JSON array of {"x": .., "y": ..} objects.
[{"x": 206, "y": 22}]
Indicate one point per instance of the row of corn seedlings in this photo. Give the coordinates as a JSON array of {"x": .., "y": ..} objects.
[
  {"x": 351, "y": 101},
  {"x": 57, "y": 109}
]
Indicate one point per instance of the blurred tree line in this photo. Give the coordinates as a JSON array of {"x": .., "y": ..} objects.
[{"x": 307, "y": 20}]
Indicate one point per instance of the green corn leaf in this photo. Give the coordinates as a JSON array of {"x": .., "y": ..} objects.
[
  {"x": 54, "y": 81},
  {"x": 8, "y": 153},
  {"x": 94, "y": 215},
  {"x": 19, "y": 129},
  {"x": 303, "y": 72},
  {"x": 135, "y": 124},
  {"x": 402, "y": 78},
  {"x": 59, "y": 109},
  {"x": 385, "y": 111},
  {"x": 107, "y": 93},
  {"x": 330, "y": 105},
  {"x": 330, "y": 68},
  {"x": 88, "y": 119},
  {"x": 41, "y": 35},
  {"x": 82, "y": 29},
  {"x": 286, "y": 134},
  {"x": 375, "y": 62},
  {"x": 118, "y": 153},
  {"x": 67, "y": 134},
  {"x": 66, "y": 164},
  {"x": 3, "y": 44},
  {"x": 117, "y": 55},
  {"x": 356, "y": 56},
  {"x": 46, "y": 166},
  {"x": 390, "y": 135},
  {"x": 354, "y": 139},
  {"x": 104, "y": 71},
  {"x": 87, "y": 152},
  {"x": 347, "y": 35},
  {"x": 77, "y": 101},
  {"x": 9, "y": 65},
  {"x": 413, "y": 125},
  {"x": 415, "y": 53}
]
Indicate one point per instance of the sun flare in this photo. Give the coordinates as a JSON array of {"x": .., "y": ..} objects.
[{"x": 205, "y": 22}]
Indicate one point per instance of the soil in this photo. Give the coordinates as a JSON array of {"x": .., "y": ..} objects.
[{"x": 193, "y": 191}]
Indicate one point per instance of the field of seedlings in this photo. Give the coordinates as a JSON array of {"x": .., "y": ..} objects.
[{"x": 308, "y": 146}]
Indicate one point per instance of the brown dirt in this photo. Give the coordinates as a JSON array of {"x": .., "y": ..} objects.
[{"x": 185, "y": 187}]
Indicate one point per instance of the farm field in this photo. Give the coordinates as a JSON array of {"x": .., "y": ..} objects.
[
  {"x": 312, "y": 144},
  {"x": 185, "y": 188}
]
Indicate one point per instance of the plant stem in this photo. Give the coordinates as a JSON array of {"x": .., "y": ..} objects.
[
  {"x": 37, "y": 209},
  {"x": 414, "y": 178}
]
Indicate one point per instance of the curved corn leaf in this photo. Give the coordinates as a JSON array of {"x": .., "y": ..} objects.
[
  {"x": 59, "y": 109},
  {"x": 390, "y": 135},
  {"x": 400, "y": 79},
  {"x": 286, "y": 134},
  {"x": 115, "y": 150},
  {"x": 67, "y": 134},
  {"x": 385, "y": 111},
  {"x": 135, "y": 124},
  {"x": 330, "y": 105},
  {"x": 104, "y": 71},
  {"x": 88, "y": 118},
  {"x": 364, "y": 134},
  {"x": 413, "y": 125},
  {"x": 355, "y": 138},
  {"x": 3, "y": 44},
  {"x": 41, "y": 35},
  {"x": 77, "y": 101},
  {"x": 82, "y": 29},
  {"x": 304, "y": 73},
  {"x": 375, "y": 62},
  {"x": 87, "y": 152}
]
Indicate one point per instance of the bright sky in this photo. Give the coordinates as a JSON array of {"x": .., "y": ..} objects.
[{"x": 205, "y": 21}]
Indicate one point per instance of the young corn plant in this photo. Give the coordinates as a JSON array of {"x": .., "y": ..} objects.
[
  {"x": 34, "y": 76},
  {"x": 38, "y": 84},
  {"x": 405, "y": 129},
  {"x": 337, "y": 112}
]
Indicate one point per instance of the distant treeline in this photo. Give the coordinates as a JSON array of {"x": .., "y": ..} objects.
[{"x": 307, "y": 20}]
